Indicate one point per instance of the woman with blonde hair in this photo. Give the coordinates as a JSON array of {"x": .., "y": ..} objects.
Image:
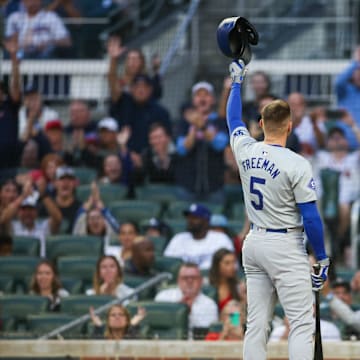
[{"x": 108, "y": 279}]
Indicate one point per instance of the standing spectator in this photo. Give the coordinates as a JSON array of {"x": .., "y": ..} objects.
[
  {"x": 9, "y": 191},
  {"x": 46, "y": 282},
  {"x": 223, "y": 276},
  {"x": 28, "y": 222},
  {"x": 200, "y": 145},
  {"x": 203, "y": 310},
  {"x": 198, "y": 244},
  {"x": 108, "y": 279},
  {"x": 127, "y": 233},
  {"x": 93, "y": 218},
  {"x": 9, "y": 107},
  {"x": 39, "y": 34},
  {"x": 347, "y": 87},
  {"x": 142, "y": 259},
  {"x": 310, "y": 131}
]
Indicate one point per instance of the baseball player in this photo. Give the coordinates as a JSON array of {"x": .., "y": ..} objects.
[{"x": 280, "y": 199}]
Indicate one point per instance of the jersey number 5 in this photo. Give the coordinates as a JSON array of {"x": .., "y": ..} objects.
[{"x": 253, "y": 182}]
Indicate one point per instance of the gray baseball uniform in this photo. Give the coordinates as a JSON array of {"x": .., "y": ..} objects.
[{"x": 274, "y": 180}]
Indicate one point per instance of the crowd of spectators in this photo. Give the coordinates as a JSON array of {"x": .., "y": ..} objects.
[{"x": 136, "y": 144}]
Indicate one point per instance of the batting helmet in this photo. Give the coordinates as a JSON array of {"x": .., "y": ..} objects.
[{"x": 234, "y": 37}]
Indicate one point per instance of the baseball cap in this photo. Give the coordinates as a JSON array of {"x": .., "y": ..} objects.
[
  {"x": 53, "y": 124},
  {"x": 341, "y": 282},
  {"x": 109, "y": 124},
  {"x": 142, "y": 78},
  {"x": 202, "y": 85},
  {"x": 198, "y": 210},
  {"x": 219, "y": 220},
  {"x": 31, "y": 200},
  {"x": 64, "y": 171}
]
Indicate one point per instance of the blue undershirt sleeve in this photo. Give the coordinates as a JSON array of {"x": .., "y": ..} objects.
[
  {"x": 220, "y": 141},
  {"x": 234, "y": 109},
  {"x": 313, "y": 228}
]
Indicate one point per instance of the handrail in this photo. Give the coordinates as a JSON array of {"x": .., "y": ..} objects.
[
  {"x": 153, "y": 281},
  {"x": 179, "y": 36}
]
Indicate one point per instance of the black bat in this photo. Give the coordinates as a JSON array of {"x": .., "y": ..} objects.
[{"x": 318, "y": 350}]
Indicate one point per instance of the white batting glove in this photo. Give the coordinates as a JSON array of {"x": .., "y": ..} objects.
[
  {"x": 237, "y": 71},
  {"x": 320, "y": 277}
]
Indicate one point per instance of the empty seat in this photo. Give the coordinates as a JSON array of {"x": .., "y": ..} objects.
[
  {"x": 80, "y": 304},
  {"x": 135, "y": 281},
  {"x": 176, "y": 225},
  {"x": 161, "y": 193},
  {"x": 26, "y": 245},
  {"x": 72, "y": 285},
  {"x": 159, "y": 244},
  {"x": 135, "y": 210},
  {"x": 108, "y": 192},
  {"x": 168, "y": 264},
  {"x": 165, "y": 320},
  {"x": 70, "y": 245},
  {"x": 85, "y": 175},
  {"x": 7, "y": 284}
]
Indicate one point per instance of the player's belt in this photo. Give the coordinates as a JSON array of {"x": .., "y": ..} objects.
[{"x": 283, "y": 231}]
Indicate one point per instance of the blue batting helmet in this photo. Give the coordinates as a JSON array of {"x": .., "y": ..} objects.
[{"x": 234, "y": 37}]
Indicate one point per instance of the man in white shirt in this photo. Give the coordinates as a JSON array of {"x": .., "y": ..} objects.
[
  {"x": 198, "y": 244},
  {"x": 38, "y": 33},
  {"x": 203, "y": 310}
]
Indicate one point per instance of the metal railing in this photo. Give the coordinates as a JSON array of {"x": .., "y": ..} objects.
[{"x": 82, "y": 319}]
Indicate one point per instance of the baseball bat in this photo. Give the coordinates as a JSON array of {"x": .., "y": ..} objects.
[{"x": 318, "y": 350}]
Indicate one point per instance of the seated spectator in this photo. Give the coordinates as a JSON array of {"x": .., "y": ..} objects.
[
  {"x": 200, "y": 144},
  {"x": 142, "y": 259},
  {"x": 119, "y": 324},
  {"x": 128, "y": 231},
  {"x": 6, "y": 245},
  {"x": 340, "y": 301},
  {"x": 198, "y": 244},
  {"x": 203, "y": 310},
  {"x": 9, "y": 191},
  {"x": 46, "y": 282},
  {"x": 53, "y": 131},
  {"x": 39, "y": 34},
  {"x": 310, "y": 131},
  {"x": 337, "y": 157},
  {"x": 223, "y": 276},
  {"x": 158, "y": 161},
  {"x": 108, "y": 279},
  {"x": 93, "y": 218},
  {"x": 112, "y": 170},
  {"x": 134, "y": 65},
  {"x": 156, "y": 227},
  {"x": 28, "y": 222},
  {"x": 34, "y": 115},
  {"x": 347, "y": 87},
  {"x": 232, "y": 324}
]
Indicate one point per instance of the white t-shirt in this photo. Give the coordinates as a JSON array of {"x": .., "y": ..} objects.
[
  {"x": 198, "y": 251},
  {"x": 40, "y": 230},
  {"x": 121, "y": 291},
  {"x": 44, "y": 27},
  {"x": 204, "y": 310}
]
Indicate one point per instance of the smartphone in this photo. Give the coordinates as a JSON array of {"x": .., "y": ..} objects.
[{"x": 235, "y": 318}]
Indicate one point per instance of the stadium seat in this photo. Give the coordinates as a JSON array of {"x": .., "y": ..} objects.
[
  {"x": 233, "y": 195},
  {"x": 79, "y": 304},
  {"x": 108, "y": 192},
  {"x": 81, "y": 268},
  {"x": 19, "y": 306},
  {"x": 135, "y": 210},
  {"x": 210, "y": 291},
  {"x": 165, "y": 320},
  {"x": 238, "y": 212},
  {"x": 7, "y": 323},
  {"x": 26, "y": 245},
  {"x": 70, "y": 245},
  {"x": 176, "y": 208},
  {"x": 85, "y": 175},
  {"x": 161, "y": 193},
  {"x": 235, "y": 226},
  {"x": 41, "y": 324},
  {"x": 18, "y": 267},
  {"x": 176, "y": 225},
  {"x": 168, "y": 264},
  {"x": 7, "y": 284},
  {"x": 72, "y": 285},
  {"x": 135, "y": 281},
  {"x": 159, "y": 244}
]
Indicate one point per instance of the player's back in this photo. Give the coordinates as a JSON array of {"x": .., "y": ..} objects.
[{"x": 274, "y": 179}]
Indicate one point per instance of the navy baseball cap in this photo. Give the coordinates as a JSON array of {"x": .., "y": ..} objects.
[{"x": 198, "y": 210}]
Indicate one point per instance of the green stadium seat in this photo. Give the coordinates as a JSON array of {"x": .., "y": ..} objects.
[
  {"x": 18, "y": 267},
  {"x": 20, "y": 306},
  {"x": 161, "y": 193},
  {"x": 176, "y": 208},
  {"x": 108, "y": 192},
  {"x": 135, "y": 210},
  {"x": 79, "y": 304},
  {"x": 135, "y": 281},
  {"x": 238, "y": 212},
  {"x": 8, "y": 323},
  {"x": 210, "y": 291},
  {"x": 85, "y": 175},
  {"x": 345, "y": 274},
  {"x": 70, "y": 245},
  {"x": 42, "y": 324},
  {"x": 165, "y": 320},
  {"x": 78, "y": 267},
  {"x": 159, "y": 244},
  {"x": 233, "y": 195},
  {"x": 176, "y": 225},
  {"x": 26, "y": 245},
  {"x": 168, "y": 264},
  {"x": 7, "y": 284},
  {"x": 72, "y": 285},
  {"x": 235, "y": 226}
]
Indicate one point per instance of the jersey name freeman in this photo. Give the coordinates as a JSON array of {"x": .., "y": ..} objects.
[{"x": 261, "y": 163}]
